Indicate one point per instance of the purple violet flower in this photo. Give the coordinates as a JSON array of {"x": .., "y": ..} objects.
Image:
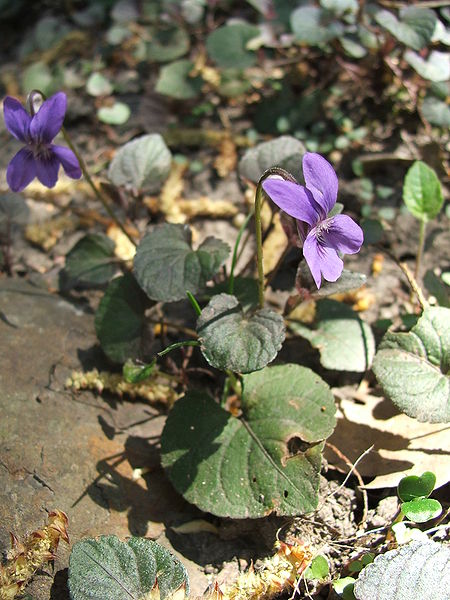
[
  {"x": 39, "y": 158},
  {"x": 323, "y": 237}
]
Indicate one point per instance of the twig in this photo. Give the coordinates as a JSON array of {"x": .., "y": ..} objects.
[
  {"x": 353, "y": 469},
  {"x": 414, "y": 285}
]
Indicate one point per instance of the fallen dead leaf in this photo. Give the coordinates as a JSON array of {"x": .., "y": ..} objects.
[
  {"x": 402, "y": 446},
  {"x": 47, "y": 233},
  {"x": 274, "y": 245},
  {"x": 124, "y": 249},
  {"x": 171, "y": 193},
  {"x": 225, "y": 162}
]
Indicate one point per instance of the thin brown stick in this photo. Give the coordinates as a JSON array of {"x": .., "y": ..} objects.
[{"x": 354, "y": 470}]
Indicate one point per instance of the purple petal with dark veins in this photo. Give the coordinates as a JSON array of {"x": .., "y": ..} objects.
[
  {"x": 17, "y": 120},
  {"x": 49, "y": 118},
  {"x": 47, "y": 170},
  {"x": 322, "y": 261},
  {"x": 292, "y": 198},
  {"x": 321, "y": 180},
  {"x": 21, "y": 170},
  {"x": 343, "y": 234},
  {"x": 68, "y": 160}
]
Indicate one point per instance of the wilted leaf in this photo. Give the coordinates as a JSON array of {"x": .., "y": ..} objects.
[
  {"x": 108, "y": 568},
  {"x": 227, "y": 45},
  {"x": 166, "y": 266},
  {"x": 413, "y": 367},
  {"x": 142, "y": 164},
  {"x": 232, "y": 340},
  {"x": 268, "y": 460},
  {"x": 417, "y": 570},
  {"x": 345, "y": 342}
]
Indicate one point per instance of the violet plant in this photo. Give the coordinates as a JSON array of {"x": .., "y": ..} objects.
[{"x": 266, "y": 457}]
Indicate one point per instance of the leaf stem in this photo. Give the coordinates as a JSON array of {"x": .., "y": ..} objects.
[
  {"x": 235, "y": 252},
  {"x": 423, "y": 225},
  {"x": 259, "y": 197},
  {"x": 94, "y": 188},
  {"x": 195, "y": 304}
]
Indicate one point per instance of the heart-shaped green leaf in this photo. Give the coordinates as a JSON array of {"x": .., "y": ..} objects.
[
  {"x": 117, "y": 114},
  {"x": 91, "y": 261},
  {"x": 312, "y": 25},
  {"x": 119, "y": 320},
  {"x": 415, "y": 27},
  {"x": 227, "y": 45},
  {"x": 435, "y": 68},
  {"x": 266, "y": 461},
  {"x": 421, "y": 510},
  {"x": 167, "y": 44},
  {"x": 413, "y": 367},
  {"x": 166, "y": 266},
  {"x": 232, "y": 340},
  {"x": 285, "y": 152},
  {"x": 175, "y": 80},
  {"x": 416, "y": 570},
  {"x": 345, "y": 342},
  {"x": 108, "y": 568},
  {"x": 142, "y": 164},
  {"x": 413, "y": 486},
  {"x": 422, "y": 191}
]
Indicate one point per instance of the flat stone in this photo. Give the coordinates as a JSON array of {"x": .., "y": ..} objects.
[{"x": 70, "y": 452}]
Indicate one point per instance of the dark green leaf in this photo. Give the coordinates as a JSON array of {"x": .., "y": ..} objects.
[
  {"x": 232, "y": 340},
  {"x": 373, "y": 231},
  {"x": 227, "y": 45},
  {"x": 413, "y": 367},
  {"x": 175, "y": 81},
  {"x": 412, "y": 486},
  {"x": 266, "y": 461},
  {"x": 91, "y": 261},
  {"x": 245, "y": 290},
  {"x": 418, "y": 570},
  {"x": 119, "y": 320},
  {"x": 437, "y": 288},
  {"x": 167, "y": 44},
  {"x": 421, "y": 510},
  {"x": 166, "y": 266},
  {"x": 344, "y": 341},
  {"x": 348, "y": 280},
  {"x": 422, "y": 191},
  {"x": 108, "y": 568},
  {"x": 142, "y": 164},
  {"x": 13, "y": 210}
]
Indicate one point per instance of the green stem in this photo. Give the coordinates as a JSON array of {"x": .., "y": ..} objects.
[
  {"x": 235, "y": 252},
  {"x": 94, "y": 188},
  {"x": 258, "y": 226},
  {"x": 423, "y": 225},
  {"x": 177, "y": 345},
  {"x": 195, "y": 304},
  {"x": 137, "y": 373}
]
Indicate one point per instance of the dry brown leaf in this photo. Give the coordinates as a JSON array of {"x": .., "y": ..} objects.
[
  {"x": 402, "y": 446},
  {"x": 225, "y": 162},
  {"x": 124, "y": 248},
  {"x": 171, "y": 193},
  {"x": 305, "y": 312},
  {"x": 274, "y": 245},
  {"x": 205, "y": 207},
  {"x": 47, "y": 233}
]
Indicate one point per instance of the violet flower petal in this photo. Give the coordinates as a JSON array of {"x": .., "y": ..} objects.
[
  {"x": 343, "y": 234},
  {"x": 17, "y": 120},
  {"x": 321, "y": 180},
  {"x": 292, "y": 198},
  {"x": 47, "y": 170},
  {"x": 68, "y": 160},
  {"x": 21, "y": 170},
  {"x": 321, "y": 260},
  {"x": 49, "y": 118}
]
